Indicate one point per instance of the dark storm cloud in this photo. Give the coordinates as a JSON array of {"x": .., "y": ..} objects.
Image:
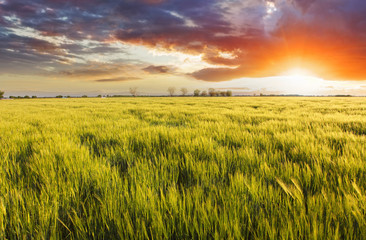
[
  {"x": 327, "y": 32},
  {"x": 168, "y": 26}
]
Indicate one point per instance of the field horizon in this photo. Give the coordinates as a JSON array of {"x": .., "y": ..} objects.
[{"x": 183, "y": 168}]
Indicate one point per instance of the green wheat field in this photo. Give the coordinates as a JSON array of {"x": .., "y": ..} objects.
[{"x": 183, "y": 168}]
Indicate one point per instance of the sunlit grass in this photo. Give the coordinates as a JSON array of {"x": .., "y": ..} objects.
[{"x": 183, "y": 168}]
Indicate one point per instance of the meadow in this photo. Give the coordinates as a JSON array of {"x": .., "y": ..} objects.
[{"x": 183, "y": 168}]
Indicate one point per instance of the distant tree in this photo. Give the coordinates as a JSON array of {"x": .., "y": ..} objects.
[
  {"x": 99, "y": 96},
  {"x": 229, "y": 93},
  {"x": 196, "y": 92},
  {"x": 26, "y": 96},
  {"x": 1, "y": 94},
  {"x": 212, "y": 92},
  {"x": 184, "y": 91},
  {"x": 222, "y": 93},
  {"x": 12, "y": 97},
  {"x": 133, "y": 91},
  {"x": 342, "y": 95},
  {"x": 59, "y": 96},
  {"x": 261, "y": 94},
  {"x": 84, "y": 96},
  {"x": 34, "y": 96},
  {"x": 204, "y": 93},
  {"x": 171, "y": 91}
]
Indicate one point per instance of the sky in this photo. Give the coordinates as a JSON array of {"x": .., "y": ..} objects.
[{"x": 50, "y": 47}]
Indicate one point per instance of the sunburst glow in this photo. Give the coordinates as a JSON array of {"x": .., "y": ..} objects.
[{"x": 298, "y": 72}]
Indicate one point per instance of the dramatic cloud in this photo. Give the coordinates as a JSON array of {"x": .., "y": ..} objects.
[{"x": 238, "y": 38}]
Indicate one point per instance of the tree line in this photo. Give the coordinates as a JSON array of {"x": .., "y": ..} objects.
[
  {"x": 213, "y": 93},
  {"x": 22, "y": 97},
  {"x": 133, "y": 91},
  {"x": 184, "y": 91}
]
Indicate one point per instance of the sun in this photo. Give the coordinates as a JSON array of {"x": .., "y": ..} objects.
[
  {"x": 301, "y": 81},
  {"x": 298, "y": 72}
]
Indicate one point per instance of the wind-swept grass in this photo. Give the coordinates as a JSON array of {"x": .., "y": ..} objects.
[{"x": 183, "y": 168}]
